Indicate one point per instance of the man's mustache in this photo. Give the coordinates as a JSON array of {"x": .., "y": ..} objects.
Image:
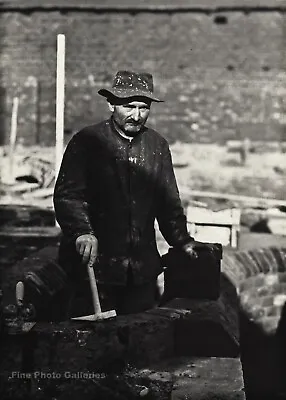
[{"x": 134, "y": 122}]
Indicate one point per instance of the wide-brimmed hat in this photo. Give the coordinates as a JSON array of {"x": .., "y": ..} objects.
[{"x": 131, "y": 84}]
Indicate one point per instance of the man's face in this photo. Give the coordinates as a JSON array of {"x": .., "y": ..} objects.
[{"x": 131, "y": 116}]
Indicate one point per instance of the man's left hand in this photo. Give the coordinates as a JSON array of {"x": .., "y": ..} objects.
[{"x": 191, "y": 248}]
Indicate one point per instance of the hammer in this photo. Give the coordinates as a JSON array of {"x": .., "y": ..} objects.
[
  {"x": 20, "y": 324},
  {"x": 98, "y": 314}
]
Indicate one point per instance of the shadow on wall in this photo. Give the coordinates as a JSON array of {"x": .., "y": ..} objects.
[
  {"x": 2, "y": 86},
  {"x": 263, "y": 360}
]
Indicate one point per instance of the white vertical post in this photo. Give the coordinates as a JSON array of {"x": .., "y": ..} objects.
[
  {"x": 60, "y": 102},
  {"x": 12, "y": 139}
]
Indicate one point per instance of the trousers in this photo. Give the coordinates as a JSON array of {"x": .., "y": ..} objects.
[{"x": 125, "y": 299}]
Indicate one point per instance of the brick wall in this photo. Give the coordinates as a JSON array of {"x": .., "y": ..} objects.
[
  {"x": 260, "y": 278},
  {"x": 218, "y": 72}
]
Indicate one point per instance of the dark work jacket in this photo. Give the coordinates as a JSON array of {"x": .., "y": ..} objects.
[{"x": 115, "y": 189}]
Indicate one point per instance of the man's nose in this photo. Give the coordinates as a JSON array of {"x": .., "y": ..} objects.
[{"x": 136, "y": 114}]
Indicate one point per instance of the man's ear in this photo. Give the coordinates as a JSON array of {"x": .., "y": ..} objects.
[{"x": 110, "y": 106}]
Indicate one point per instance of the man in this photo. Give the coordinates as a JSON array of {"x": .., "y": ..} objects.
[{"x": 116, "y": 177}]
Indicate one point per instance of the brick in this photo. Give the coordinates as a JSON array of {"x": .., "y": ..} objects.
[
  {"x": 274, "y": 266},
  {"x": 271, "y": 279},
  {"x": 247, "y": 260},
  {"x": 282, "y": 277},
  {"x": 267, "y": 301},
  {"x": 271, "y": 260},
  {"x": 253, "y": 282},
  {"x": 279, "y": 300},
  {"x": 269, "y": 324},
  {"x": 281, "y": 288},
  {"x": 273, "y": 311},
  {"x": 230, "y": 264},
  {"x": 280, "y": 256},
  {"x": 254, "y": 312},
  {"x": 262, "y": 291},
  {"x": 259, "y": 256},
  {"x": 247, "y": 267},
  {"x": 249, "y": 302}
]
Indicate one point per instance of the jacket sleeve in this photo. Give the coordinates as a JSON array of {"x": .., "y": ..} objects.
[
  {"x": 70, "y": 194},
  {"x": 170, "y": 214}
]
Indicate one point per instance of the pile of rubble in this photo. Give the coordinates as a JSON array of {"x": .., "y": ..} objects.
[{"x": 27, "y": 177}]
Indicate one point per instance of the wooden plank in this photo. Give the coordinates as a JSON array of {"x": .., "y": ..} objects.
[
  {"x": 214, "y": 226},
  {"x": 235, "y": 197},
  {"x": 234, "y": 146},
  {"x": 206, "y": 216},
  {"x": 39, "y": 194},
  {"x": 213, "y": 234},
  {"x": 31, "y": 231},
  {"x": 23, "y": 187}
]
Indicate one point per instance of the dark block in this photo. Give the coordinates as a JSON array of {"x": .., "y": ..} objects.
[
  {"x": 193, "y": 278},
  {"x": 208, "y": 330}
]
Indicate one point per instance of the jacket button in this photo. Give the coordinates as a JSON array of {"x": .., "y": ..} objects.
[{"x": 125, "y": 263}]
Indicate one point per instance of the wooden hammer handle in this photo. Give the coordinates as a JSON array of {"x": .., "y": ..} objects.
[
  {"x": 19, "y": 293},
  {"x": 94, "y": 291}
]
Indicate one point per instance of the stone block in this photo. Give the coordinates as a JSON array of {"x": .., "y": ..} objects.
[
  {"x": 101, "y": 346},
  {"x": 210, "y": 329},
  {"x": 209, "y": 379},
  {"x": 89, "y": 386}
]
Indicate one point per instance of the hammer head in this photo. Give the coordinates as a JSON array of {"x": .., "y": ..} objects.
[{"x": 96, "y": 317}]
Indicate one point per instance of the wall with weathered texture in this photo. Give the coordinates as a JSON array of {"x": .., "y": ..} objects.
[{"x": 220, "y": 72}]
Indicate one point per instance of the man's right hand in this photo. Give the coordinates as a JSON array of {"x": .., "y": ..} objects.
[{"x": 86, "y": 245}]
